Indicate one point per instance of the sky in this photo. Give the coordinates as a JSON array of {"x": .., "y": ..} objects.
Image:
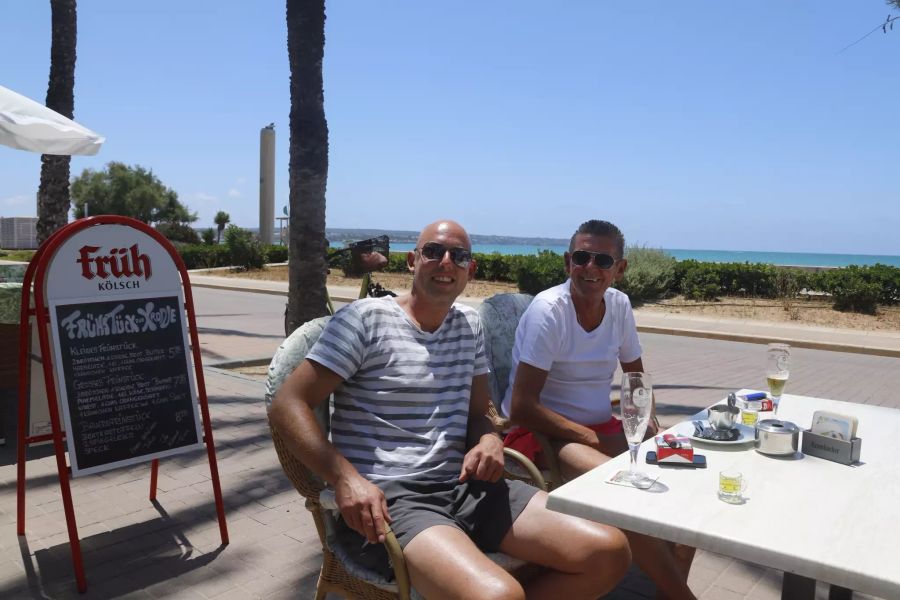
[{"x": 698, "y": 125}]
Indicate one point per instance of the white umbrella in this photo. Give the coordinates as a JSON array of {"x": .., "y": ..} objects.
[{"x": 28, "y": 125}]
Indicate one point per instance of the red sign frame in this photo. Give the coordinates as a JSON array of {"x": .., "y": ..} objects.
[{"x": 36, "y": 275}]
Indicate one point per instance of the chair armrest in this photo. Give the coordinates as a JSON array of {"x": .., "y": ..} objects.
[
  {"x": 327, "y": 501},
  {"x": 533, "y": 472},
  {"x": 551, "y": 458}
]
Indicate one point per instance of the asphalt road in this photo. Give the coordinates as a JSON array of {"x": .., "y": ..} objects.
[{"x": 689, "y": 373}]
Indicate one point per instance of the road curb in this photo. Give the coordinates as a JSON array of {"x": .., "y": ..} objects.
[
  {"x": 237, "y": 364},
  {"x": 760, "y": 339},
  {"x": 231, "y": 288}
]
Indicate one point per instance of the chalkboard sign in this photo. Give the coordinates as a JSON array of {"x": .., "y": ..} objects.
[{"x": 127, "y": 382}]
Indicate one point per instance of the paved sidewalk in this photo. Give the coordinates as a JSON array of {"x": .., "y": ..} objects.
[{"x": 171, "y": 549}]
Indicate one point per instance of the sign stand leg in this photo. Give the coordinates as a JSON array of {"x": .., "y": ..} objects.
[
  {"x": 21, "y": 426},
  {"x": 154, "y": 472},
  {"x": 74, "y": 542},
  {"x": 204, "y": 407}
]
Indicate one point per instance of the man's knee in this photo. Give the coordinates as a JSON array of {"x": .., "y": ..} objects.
[
  {"x": 576, "y": 459},
  {"x": 506, "y": 588},
  {"x": 606, "y": 550}
]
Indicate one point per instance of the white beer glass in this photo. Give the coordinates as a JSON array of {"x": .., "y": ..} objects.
[
  {"x": 778, "y": 369},
  {"x": 636, "y": 406}
]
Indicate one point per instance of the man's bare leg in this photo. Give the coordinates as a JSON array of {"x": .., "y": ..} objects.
[
  {"x": 655, "y": 557},
  {"x": 584, "y": 560},
  {"x": 444, "y": 563}
]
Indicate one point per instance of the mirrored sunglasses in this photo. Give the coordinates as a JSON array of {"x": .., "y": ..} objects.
[
  {"x": 603, "y": 261},
  {"x": 434, "y": 251}
]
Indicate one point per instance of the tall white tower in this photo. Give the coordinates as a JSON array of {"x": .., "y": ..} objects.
[{"x": 267, "y": 183}]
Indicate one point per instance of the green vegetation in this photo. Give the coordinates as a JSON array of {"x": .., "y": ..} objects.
[
  {"x": 221, "y": 219},
  {"x": 19, "y": 255},
  {"x": 128, "y": 191},
  {"x": 652, "y": 274},
  {"x": 853, "y": 288},
  {"x": 649, "y": 275},
  {"x": 244, "y": 249}
]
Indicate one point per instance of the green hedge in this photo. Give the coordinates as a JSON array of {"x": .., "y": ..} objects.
[{"x": 651, "y": 274}]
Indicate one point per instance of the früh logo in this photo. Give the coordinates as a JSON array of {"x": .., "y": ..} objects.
[{"x": 120, "y": 262}]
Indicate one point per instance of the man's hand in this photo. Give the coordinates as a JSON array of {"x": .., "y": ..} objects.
[
  {"x": 363, "y": 506},
  {"x": 484, "y": 462}
]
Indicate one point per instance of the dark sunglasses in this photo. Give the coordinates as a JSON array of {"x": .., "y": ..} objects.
[
  {"x": 603, "y": 261},
  {"x": 434, "y": 251}
]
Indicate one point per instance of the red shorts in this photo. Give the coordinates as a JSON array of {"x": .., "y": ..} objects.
[{"x": 524, "y": 441}]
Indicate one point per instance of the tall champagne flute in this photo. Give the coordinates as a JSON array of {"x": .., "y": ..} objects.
[
  {"x": 778, "y": 369},
  {"x": 636, "y": 405}
]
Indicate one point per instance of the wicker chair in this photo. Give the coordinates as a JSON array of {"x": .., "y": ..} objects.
[
  {"x": 500, "y": 316},
  {"x": 339, "y": 573}
]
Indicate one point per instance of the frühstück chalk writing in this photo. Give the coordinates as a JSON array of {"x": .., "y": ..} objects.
[{"x": 80, "y": 325}]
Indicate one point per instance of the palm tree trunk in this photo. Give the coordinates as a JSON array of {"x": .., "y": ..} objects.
[
  {"x": 53, "y": 194},
  {"x": 308, "y": 162}
]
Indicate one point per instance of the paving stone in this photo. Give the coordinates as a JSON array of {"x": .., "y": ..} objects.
[{"x": 133, "y": 549}]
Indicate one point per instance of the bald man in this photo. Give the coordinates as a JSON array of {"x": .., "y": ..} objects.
[{"x": 412, "y": 445}]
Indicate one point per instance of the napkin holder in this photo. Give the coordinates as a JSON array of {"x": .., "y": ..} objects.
[{"x": 832, "y": 449}]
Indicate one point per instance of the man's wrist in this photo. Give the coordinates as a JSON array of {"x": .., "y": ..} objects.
[{"x": 490, "y": 437}]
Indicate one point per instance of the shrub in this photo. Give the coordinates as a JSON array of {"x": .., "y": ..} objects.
[
  {"x": 851, "y": 291},
  {"x": 535, "y": 274},
  {"x": 208, "y": 236},
  {"x": 495, "y": 267},
  {"x": 649, "y": 275},
  {"x": 748, "y": 279},
  {"x": 701, "y": 282},
  {"x": 887, "y": 278},
  {"x": 204, "y": 257},
  {"x": 787, "y": 285},
  {"x": 397, "y": 263},
  {"x": 178, "y": 232},
  {"x": 244, "y": 250},
  {"x": 277, "y": 254}
]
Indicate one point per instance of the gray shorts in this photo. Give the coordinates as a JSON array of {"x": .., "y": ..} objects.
[{"x": 482, "y": 510}]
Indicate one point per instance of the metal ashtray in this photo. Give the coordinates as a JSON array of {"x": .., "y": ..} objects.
[
  {"x": 776, "y": 437},
  {"x": 719, "y": 435}
]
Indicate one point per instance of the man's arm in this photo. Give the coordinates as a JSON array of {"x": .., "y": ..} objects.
[
  {"x": 361, "y": 503},
  {"x": 526, "y": 409},
  {"x": 484, "y": 460},
  {"x": 637, "y": 366}
]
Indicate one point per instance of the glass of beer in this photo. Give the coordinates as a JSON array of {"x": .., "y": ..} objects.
[
  {"x": 636, "y": 406},
  {"x": 778, "y": 369}
]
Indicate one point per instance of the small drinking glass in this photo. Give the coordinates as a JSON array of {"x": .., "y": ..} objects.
[
  {"x": 732, "y": 486},
  {"x": 750, "y": 413},
  {"x": 778, "y": 369},
  {"x": 636, "y": 406}
]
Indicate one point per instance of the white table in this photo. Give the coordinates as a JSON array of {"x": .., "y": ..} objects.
[{"x": 808, "y": 516}]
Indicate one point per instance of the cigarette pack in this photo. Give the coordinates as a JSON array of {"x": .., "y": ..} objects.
[
  {"x": 757, "y": 400},
  {"x": 672, "y": 448}
]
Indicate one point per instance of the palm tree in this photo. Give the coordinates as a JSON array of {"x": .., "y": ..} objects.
[
  {"x": 53, "y": 193},
  {"x": 308, "y": 170},
  {"x": 221, "y": 220}
]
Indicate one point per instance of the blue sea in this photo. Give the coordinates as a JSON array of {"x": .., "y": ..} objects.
[{"x": 806, "y": 259}]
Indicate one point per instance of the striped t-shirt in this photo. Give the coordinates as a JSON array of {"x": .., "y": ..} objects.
[{"x": 402, "y": 410}]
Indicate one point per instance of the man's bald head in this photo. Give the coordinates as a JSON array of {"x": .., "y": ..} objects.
[{"x": 445, "y": 228}]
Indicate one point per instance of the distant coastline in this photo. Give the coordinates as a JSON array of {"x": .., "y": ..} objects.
[{"x": 405, "y": 240}]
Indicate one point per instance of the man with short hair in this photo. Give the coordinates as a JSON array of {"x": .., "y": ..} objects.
[
  {"x": 568, "y": 344},
  {"x": 412, "y": 444}
]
